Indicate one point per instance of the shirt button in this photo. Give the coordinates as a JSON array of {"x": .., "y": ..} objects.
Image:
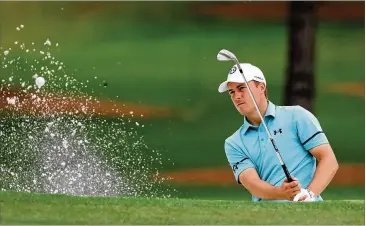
[{"x": 262, "y": 139}]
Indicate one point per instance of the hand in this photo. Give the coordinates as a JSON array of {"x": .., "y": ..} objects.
[
  {"x": 305, "y": 196},
  {"x": 290, "y": 189}
]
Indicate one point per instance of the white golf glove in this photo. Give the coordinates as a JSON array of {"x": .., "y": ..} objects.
[{"x": 309, "y": 196}]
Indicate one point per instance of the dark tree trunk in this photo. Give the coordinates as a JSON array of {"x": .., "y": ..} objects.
[{"x": 300, "y": 84}]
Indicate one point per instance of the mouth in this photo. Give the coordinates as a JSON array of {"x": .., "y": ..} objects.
[{"x": 239, "y": 104}]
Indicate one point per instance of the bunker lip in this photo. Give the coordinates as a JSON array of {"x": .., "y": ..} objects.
[{"x": 347, "y": 88}]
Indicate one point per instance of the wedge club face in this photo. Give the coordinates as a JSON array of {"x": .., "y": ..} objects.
[{"x": 225, "y": 55}]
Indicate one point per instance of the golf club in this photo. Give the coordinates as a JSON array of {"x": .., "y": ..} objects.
[{"x": 225, "y": 55}]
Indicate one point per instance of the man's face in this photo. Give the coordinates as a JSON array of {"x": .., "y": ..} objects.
[{"x": 240, "y": 96}]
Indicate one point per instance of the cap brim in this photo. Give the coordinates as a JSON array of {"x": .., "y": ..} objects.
[{"x": 223, "y": 87}]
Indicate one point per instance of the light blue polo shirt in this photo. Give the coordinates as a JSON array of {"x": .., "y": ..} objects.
[{"x": 295, "y": 131}]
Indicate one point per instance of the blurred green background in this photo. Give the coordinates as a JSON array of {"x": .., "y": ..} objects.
[{"x": 164, "y": 54}]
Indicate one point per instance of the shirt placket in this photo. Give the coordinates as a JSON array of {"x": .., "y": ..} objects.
[{"x": 262, "y": 135}]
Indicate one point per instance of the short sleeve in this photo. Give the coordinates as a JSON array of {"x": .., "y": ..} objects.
[
  {"x": 237, "y": 159},
  {"x": 308, "y": 128}
]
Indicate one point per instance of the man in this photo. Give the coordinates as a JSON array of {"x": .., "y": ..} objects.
[{"x": 297, "y": 133}]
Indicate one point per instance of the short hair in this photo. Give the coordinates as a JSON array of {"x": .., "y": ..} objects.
[{"x": 265, "y": 91}]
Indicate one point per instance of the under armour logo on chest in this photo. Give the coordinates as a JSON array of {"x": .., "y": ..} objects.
[{"x": 277, "y": 131}]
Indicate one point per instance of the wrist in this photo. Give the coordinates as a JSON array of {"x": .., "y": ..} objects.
[{"x": 279, "y": 194}]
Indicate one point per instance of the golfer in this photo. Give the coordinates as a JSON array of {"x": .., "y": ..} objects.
[{"x": 299, "y": 137}]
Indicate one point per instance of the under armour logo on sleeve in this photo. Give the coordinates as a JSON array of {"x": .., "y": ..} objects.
[{"x": 235, "y": 166}]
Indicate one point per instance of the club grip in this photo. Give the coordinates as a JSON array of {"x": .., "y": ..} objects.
[{"x": 288, "y": 176}]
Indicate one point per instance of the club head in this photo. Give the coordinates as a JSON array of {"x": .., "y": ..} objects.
[{"x": 225, "y": 55}]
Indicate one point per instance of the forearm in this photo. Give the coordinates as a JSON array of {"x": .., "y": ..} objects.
[
  {"x": 324, "y": 173},
  {"x": 264, "y": 190}
]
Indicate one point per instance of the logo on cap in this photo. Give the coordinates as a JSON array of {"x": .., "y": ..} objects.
[
  {"x": 258, "y": 77},
  {"x": 232, "y": 70}
]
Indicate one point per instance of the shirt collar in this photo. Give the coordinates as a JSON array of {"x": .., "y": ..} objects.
[{"x": 271, "y": 111}]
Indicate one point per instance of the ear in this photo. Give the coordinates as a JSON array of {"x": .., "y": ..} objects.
[{"x": 262, "y": 87}]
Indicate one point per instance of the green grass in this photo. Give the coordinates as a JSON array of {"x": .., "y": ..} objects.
[{"x": 19, "y": 208}]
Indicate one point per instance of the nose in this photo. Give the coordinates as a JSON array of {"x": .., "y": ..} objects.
[{"x": 237, "y": 95}]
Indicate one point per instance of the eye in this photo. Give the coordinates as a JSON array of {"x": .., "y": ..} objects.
[
  {"x": 241, "y": 87},
  {"x": 231, "y": 92}
]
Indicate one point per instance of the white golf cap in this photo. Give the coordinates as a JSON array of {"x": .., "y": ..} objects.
[{"x": 251, "y": 73}]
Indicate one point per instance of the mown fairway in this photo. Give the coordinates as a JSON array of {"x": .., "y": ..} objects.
[{"x": 20, "y": 208}]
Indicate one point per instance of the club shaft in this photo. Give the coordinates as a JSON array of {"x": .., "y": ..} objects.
[
  {"x": 288, "y": 176},
  {"x": 284, "y": 167}
]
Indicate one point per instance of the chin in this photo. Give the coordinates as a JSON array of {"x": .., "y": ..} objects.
[{"x": 241, "y": 111}]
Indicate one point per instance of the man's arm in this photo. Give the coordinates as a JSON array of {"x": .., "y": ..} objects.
[
  {"x": 314, "y": 140},
  {"x": 261, "y": 189},
  {"x": 326, "y": 169}
]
